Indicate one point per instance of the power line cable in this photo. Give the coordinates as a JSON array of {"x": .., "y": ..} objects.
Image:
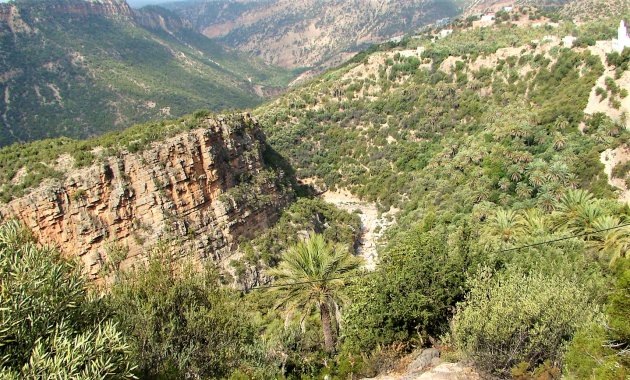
[
  {"x": 499, "y": 251},
  {"x": 563, "y": 238}
]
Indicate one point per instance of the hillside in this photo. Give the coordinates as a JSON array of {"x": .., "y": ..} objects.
[
  {"x": 309, "y": 33},
  {"x": 577, "y": 10},
  {"x": 384, "y": 125},
  {"x": 486, "y": 165},
  {"x": 77, "y": 68}
]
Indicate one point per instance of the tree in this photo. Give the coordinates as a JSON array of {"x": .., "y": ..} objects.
[
  {"x": 613, "y": 241},
  {"x": 180, "y": 321},
  {"x": 600, "y": 349},
  {"x": 413, "y": 293},
  {"x": 577, "y": 210},
  {"x": 309, "y": 276},
  {"x": 50, "y": 326}
]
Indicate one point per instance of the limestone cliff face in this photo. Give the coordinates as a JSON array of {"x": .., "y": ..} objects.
[
  {"x": 156, "y": 18},
  {"x": 198, "y": 191}
]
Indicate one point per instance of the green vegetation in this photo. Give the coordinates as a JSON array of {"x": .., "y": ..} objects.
[
  {"x": 80, "y": 76},
  {"x": 411, "y": 296},
  {"x": 454, "y": 144},
  {"x": 509, "y": 251},
  {"x": 542, "y": 311},
  {"x": 597, "y": 350},
  {"x": 181, "y": 325},
  {"x": 50, "y": 326},
  {"x": 315, "y": 266}
]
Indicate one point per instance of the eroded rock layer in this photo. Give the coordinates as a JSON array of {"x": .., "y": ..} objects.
[{"x": 199, "y": 191}]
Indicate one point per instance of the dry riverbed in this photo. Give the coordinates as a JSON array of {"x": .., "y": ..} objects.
[{"x": 372, "y": 224}]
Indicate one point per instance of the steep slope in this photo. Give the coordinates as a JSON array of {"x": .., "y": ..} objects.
[
  {"x": 584, "y": 10},
  {"x": 309, "y": 33},
  {"x": 577, "y": 10},
  {"x": 483, "y": 117},
  {"x": 78, "y": 68},
  {"x": 197, "y": 186}
]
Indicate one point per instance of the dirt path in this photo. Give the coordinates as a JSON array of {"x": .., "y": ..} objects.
[{"x": 372, "y": 226}]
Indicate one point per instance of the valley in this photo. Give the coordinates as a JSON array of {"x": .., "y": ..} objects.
[
  {"x": 296, "y": 34},
  {"x": 79, "y": 69},
  {"x": 452, "y": 204},
  {"x": 372, "y": 225}
]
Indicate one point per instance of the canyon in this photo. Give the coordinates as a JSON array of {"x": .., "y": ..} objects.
[{"x": 309, "y": 33}]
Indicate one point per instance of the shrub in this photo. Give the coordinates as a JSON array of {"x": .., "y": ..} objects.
[
  {"x": 181, "y": 325},
  {"x": 511, "y": 317},
  {"x": 600, "y": 350},
  {"x": 49, "y": 326},
  {"x": 419, "y": 281}
]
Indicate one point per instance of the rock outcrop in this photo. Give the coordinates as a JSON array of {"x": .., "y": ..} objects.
[
  {"x": 428, "y": 366},
  {"x": 160, "y": 19},
  {"x": 199, "y": 191}
]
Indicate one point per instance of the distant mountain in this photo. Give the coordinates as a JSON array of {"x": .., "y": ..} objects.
[
  {"x": 142, "y": 3},
  {"x": 78, "y": 68},
  {"x": 309, "y": 33}
]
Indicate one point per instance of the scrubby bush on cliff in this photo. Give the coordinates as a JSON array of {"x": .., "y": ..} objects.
[
  {"x": 181, "y": 322},
  {"x": 50, "y": 327}
]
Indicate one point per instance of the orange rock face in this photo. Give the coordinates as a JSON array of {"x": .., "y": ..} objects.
[{"x": 199, "y": 191}]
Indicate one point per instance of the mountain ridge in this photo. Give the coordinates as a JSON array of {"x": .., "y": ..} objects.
[
  {"x": 309, "y": 33},
  {"x": 78, "y": 68}
]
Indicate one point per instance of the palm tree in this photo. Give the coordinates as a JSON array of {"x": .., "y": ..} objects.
[
  {"x": 614, "y": 242},
  {"x": 537, "y": 172},
  {"x": 558, "y": 172},
  {"x": 559, "y": 141},
  {"x": 535, "y": 223},
  {"x": 547, "y": 201},
  {"x": 576, "y": 210},
  {"x": 507, "y": 225},
  {"x": 310, "y": 276},
  {"x": 504, "y": 184},
  {"x": 523, "y": 190},
  {"x": 516, "y": 172}
]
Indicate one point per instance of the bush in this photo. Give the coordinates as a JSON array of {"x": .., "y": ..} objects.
[
  {"x": 599, "y": 350},
  {"x": 411, "y": 296},
  {"x": 510, "y": 318},
  {"x": 181, "y": 325},
  {"x": 49, "y": 326}
]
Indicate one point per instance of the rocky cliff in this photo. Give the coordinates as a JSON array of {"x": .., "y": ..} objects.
[
  {"x": 199, "y": 191},
  {"x": 157, "y": 18},
  {"x": 112, "y": 8},
  {"x": 308, "y": 33}
]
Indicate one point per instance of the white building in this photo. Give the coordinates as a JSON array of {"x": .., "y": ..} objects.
[
  {"x": 487, "y": 17},
  {"x": 622, "y": 41},
  {"x": 568, "y": 41},
  {"x": 445, "y": 32},
  {"x": 508, "y": 9}
]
